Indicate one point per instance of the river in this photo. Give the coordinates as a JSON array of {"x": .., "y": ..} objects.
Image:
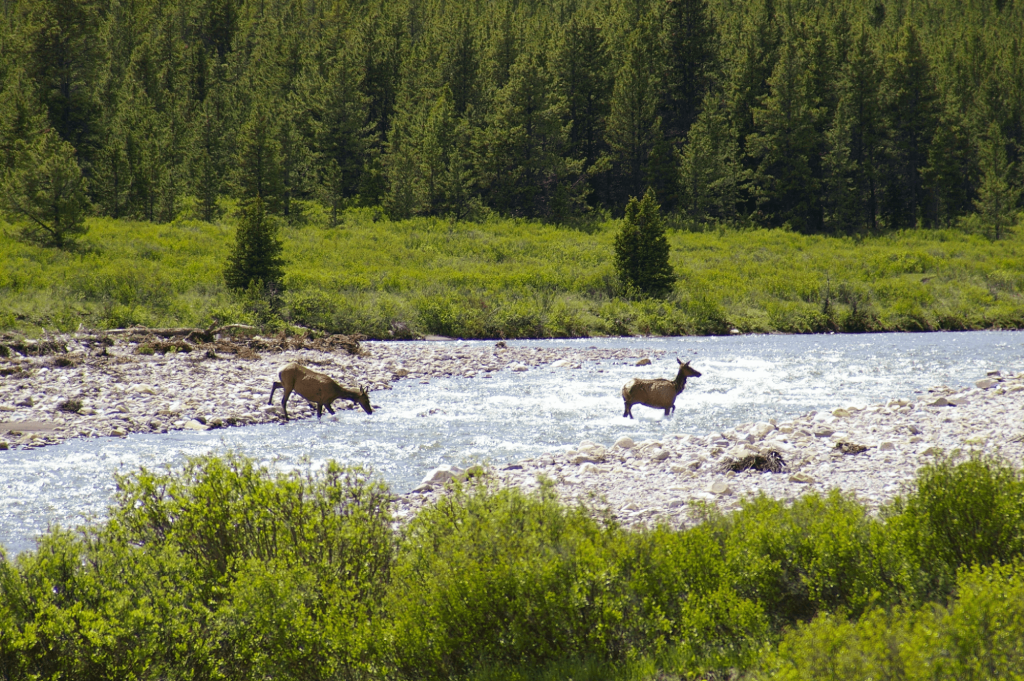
[{"x": 514, "y": 415}]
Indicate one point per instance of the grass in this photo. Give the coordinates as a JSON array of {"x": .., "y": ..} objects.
[{"x": 514, "y": 279}]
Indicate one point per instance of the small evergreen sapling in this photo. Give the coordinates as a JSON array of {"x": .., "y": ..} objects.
[
  {"x": 256, "y": 260},
  {"x": 642, "y": 249}
]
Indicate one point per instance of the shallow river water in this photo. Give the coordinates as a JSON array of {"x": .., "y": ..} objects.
[{"x": 514, "y": 415}]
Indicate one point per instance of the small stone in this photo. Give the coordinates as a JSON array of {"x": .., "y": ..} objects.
[
  {"x": 941, "y": 402},
  {"x": 801, "y": 478},
  {"x": 560, "y": 363},
  {"x": 986, "y": 383},
  {"x": 840, "y": 413},
  {"x": 660, "y": 455},
  {"x": 930, "y": 450},
  {"x": 4, "y": 445},
  {"x": 823, "y": 432},
  {"x": 193, "y": 424},
  {"x": 886, "y": 447},
  {"x": 625, "y": 442},
  {"x": 441, "y": 475},
  {"x": 719, "y": 487},
  {"x": 643, "y": 362}
]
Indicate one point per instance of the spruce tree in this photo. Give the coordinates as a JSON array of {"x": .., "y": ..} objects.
[
  {"x": 998, "y": 193},
  {"x": 710, "y": 169},
  {"x": 689, "y": 42},
  {"x": 642, "y": 249},
  {"x": 256, "y": 260},
  {"x": 634, "y": 127},
  {"x": 46, "y": 192},
  {"x": 787, "y": 146},
  {"x": 910, "y": 107}
]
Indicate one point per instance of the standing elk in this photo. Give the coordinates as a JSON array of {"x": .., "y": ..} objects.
[
  {"x": 659, "y": 393},
  {"x": 317, "y": 388}
]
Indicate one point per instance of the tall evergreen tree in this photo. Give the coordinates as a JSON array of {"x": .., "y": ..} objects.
[
  {"x": 46, "y": 192},
  {"x": 951, "y": 174},
  {"x": 999, "y": 191},
  {"x": 689, "y": 42},
  {"x": 710, "y": 170},
  {"x": 63, "y": 60},
  {"x": 910, "y": 108},
  {"x": 257, "y": 172},
  {"x": 860, "y": 84},
  {"x": 580, "y": 68},
  {"x": 522, "y": 164},
  {"x": 634, "y": 127},
  {"x": 787, "y": 147}
]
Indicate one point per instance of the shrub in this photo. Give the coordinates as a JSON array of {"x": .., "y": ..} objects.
[{"x": 957, "y": 515}]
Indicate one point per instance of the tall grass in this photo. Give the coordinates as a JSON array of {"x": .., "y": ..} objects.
[{"x": 515, "y": 279}]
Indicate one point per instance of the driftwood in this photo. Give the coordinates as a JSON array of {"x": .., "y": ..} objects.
[{"x": 769, "y": 462}]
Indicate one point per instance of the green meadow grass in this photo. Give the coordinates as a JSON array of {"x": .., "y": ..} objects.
[{"x": 513, "y": 279}]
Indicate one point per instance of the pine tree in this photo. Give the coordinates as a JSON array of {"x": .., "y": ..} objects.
[
  {"x": 786, "y": 147},
  {"x": 689, "y": 42},
  {"x": 634, "y": 127},
  {"x": 63, "y": 60},
  {"x": 910, "y": 107},
  {"x": 336, "y": 133},
  {"x": 951, "y": 174},
  {"x": 257, "y": 171},
  {"x": 522, "y": 166},
  {"x": 256, "y": 261},
  {"x": 580, "y": 69},
  {"x": 642, "y": 249},
  {"x": 860, "y": 86},
  {"x": 998, "y": 193},
  {"x": 46, "y": 191},
  {"x": 710, "y": 170}
]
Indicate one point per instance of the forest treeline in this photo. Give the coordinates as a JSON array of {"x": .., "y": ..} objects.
[{"x": 829, "y": 117}]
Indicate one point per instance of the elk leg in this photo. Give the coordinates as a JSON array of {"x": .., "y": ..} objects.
[
  {"x": 272, "y": 389},
  {"x": 319, "y": 409},
  {"x": 284, "y": 402},
  {"x": 329, "y": 408},
  {"x": 629, "y": 410}
]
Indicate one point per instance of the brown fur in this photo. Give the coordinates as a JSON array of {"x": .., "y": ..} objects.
[
  {"x": 317, "y": 388},
  {"x": 659, "y": 393}
]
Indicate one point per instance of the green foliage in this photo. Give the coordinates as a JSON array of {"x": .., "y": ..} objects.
[
  {"x": 256, "y": 263},
  {"x": 222, "y": 569},
  {"x": 45, "y": 190},
  {"x": 642, "y": 249},
  {"x": 970, "y": 514}
]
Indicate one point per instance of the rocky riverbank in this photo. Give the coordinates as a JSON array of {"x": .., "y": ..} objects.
[{"x": 871, "y": 453}]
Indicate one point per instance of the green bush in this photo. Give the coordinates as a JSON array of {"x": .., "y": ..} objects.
[{"x": 971, "y": 513}]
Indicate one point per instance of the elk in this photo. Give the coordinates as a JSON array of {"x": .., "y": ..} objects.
[
  {"x": 317, "y": 388},
  {"x": 659, "y": 393}
]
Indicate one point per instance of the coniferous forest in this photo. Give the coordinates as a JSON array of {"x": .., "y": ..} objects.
[{"x": 836, "y": 117}]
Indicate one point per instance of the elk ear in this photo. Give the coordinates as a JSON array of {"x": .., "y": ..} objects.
[{"x": 680, "y": 363}]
